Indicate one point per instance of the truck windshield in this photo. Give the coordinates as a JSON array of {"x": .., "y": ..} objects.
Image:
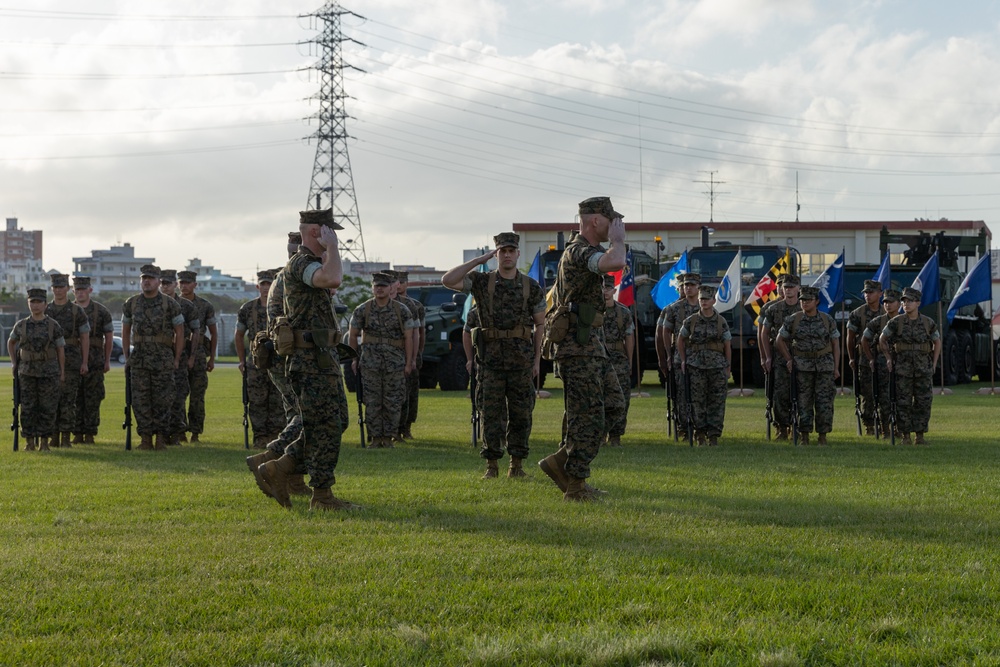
[{"x": 712, "y": 264}]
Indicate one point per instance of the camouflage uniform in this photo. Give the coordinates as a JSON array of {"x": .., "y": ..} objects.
[
  {"x": 912, "y": 345},
  {"x": 505, "y": 355},
  {"x": 872, "y": 332},
  {"x": 88, "y": 416},
  {"x": 265, "y": 403},
  {"x": 618, "y": 325},
  {"x": 151, "y": 363},
  {"x": 811, "y": 341},
  {"x": 781, "y": 406},
  {"x": 413, "y": 382},
  {"x": 182, "y": 385},
  {"x": 38, "y": 374},
  {"x": 198, "y": 374},
  {"x": 382, "y": 363},
  {"x": 858, "y": 323},
  {"x": 413, "y": 379},
  {"x": 279, "y": 378},
  {"x": 314, "y": 372},
  {"x": 73, "y": 322},
  {"x": 704, "y": 348},
  {"x": 592, "y": 396},
  {"x": 471, "y": 322},
  {"x": 673, "y": 317}
]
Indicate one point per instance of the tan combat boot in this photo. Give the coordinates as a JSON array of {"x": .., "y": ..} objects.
[
  {"x": 920, "y": 438},
  {"x": 161, "y": 442},
  {"x": 577, "y": 490},
  {"x": 43, "y": 444},
  {"x": 614, "y": 441},
  {"x": 145, "y": 442},
  {"x": 77, "y": 439},
  {"x": 492, "y": 470},
  {"x": 194, "y": 437},
  {"x": 255, "y": 462},
  {"x": 713, "y": 441},
  {"x": 803, "y": 437},
  {"x": 323, "y": 500},
  {"x": 782, "y": 434},
  {"x": 407, "y": 433},
  {"x": 905, "y": 439},
  {"x": 88, "y": 439},
  {"x": 66, "y": 437},
  {"x": 297, "y": 486},
  {"x": 516, "y": 469},
  {"x": 275, "y": 475},
  {"x": 30, "y": 447},
  {"x": 554, "y": 465},
  {"x": 822, "y": 439}
]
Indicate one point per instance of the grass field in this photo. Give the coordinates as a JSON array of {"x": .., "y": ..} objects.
[{"x": 751, "y": 553}]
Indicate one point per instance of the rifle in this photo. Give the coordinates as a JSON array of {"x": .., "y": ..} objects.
[
  {"x": 246, "y": 410},
  {"x": 16, "y": 424},
  {"x": 769, "y": 402},
  {"x": 127, "y": 424},
  {"x": 875, "y": 399},
  {"x": 690, "y": 408},
  {"x": 473, "y": 389},
  {"x": 793, "y": 390},
  {"x": 857, "y": 392},
  {"x": 360, "y": 395},
  {"x": 892, "y": 405}
]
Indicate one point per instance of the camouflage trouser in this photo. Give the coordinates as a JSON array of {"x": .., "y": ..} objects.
[
  {"x": 510, "y": 394},
  {"x": 592, "y": 397},
  {"x": 152, "y": 391},
  {"x": 412, "y": 398},
  {"x": 39, "y": 402},
  {"x": 479, "y": 406},
  {"x": 867, "y": 398},
  {"x": 913, "y": 402},
  {"x": 293, "y": 421},
  {"x": 88, "y": 413},
  {"x": 178, "y": 408},
  {"x": 383, "y": 397},
  {"x": 817, "y": 389},
  {"x": 69, "y": 393},
  {"x": 883, "y": 394},
  {"x": 781, "y": 408},
  {"x": 266, "y": 413},
  {"x": 624, "y": 373},
  {"x": 708, "y": 398},
  {"x": 198, "y": 382},
  {"x": 320, "y": 399},
  {"x": 404, "y": 407}
]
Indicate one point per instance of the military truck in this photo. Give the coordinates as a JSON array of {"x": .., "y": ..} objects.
[{"x": 444, "y": 356}]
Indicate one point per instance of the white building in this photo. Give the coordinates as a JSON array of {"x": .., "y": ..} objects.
[
  {"x": 112, "y": 270},
  {"x": 213, "y": 281}
]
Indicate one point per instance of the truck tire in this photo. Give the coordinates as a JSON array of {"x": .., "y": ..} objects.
[
  {"x": 966, "y": 358},
  {"x": 452, "y": 375},
  {"x": 949, "y": 358}
]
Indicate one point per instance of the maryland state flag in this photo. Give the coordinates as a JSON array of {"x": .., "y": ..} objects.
[{"x": 767, "y": 289}]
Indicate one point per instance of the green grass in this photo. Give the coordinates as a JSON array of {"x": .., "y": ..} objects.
[{"x": 752, "y": 553}]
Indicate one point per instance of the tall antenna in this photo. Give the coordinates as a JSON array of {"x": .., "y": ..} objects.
[
  {"x": 712, "y": 193},
  {"x": 797, "y": 205},
  {"x": 332, "y": 184}
]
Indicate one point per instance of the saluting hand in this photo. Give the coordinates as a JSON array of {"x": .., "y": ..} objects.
[
  {"x": 327, "y": 237},
  {"x": 616, "y": 232}
]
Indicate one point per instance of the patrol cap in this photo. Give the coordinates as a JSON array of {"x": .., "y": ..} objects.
[
  {"x": 780, "y": 280},
  {"x": 808, "y": 293},
  {"x": 60, "y": 280},
  {"x": 81, "y": 282},
  {"x": 381, "y": 278},
  {"x": 600, "y": 205},
  {"x": 149, "y": 271},
  {"x": 321, "y": 217},
  {"x": 507, "y": 240},
  {"x": 706, "y": 292},
  {"x": 187, "y": 276},
  {"x": 890, "y": 295},
  {"x": 168, "y": 275},
  {"x": 265, "y": 276},
  {"x": 609, "y": 281},
  {"x": 393, "y": 276},
  {"x": 910, "y": 294},
  {"x": 690, "y": 279},
  {"x": 295, "y": 237},
  {"x": 36, "y": 294},
  {"x": 872, "y": 286},
  {"x": 403, "y": 276},
  {"x": 792, "y": 279}
]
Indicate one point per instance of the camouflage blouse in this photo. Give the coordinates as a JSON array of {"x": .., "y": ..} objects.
[
  {"x": 307, "y": 308},
  {"x": 912, "y": 342},
  {"x": 34, "y": 337},
  {"x": 618, "y": 326},
  {"x": 392, "y": 321},
  {"x": 74, "y": 322},
  {"x": 811, "y": 340},
  {"x": 704, "y": 340},
  {"x": 101, "y": 327},
  {"x": 580, "y": 281},
  {"x": 509, "y": 309},
  {"x": 152, "y": 317}
]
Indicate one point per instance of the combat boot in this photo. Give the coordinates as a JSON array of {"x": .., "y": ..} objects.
[
  {"x": 66, "y": 436},
  {"x": 904, "y": 439},
  {"x": 77, "y": 439},
  {"x": 88, "y": 439},
  {"x": 554, "y": 465},
  {"x": 803, "y": 437},
  {"x": 53, "y": 441},
  {"x": 578, "y": 490},
  {"x": 161, "y": 442},
  {"x": 194, "y": 438},
  {"x": 782, "y": 434},
  {"x": 700, "y": 439},
  {"x": 276, "y": 476},
  {"x": 255, "y": 462},
  {"x": 614, "y": 441},
  {"x": 822, "y": 439},
  {"x": 145, "y": 442},
  {"x": 869, "y": 429},
  {"x": 713, "y": 441},
  {"x": 920, "y": 438},
  {"x": 407, "y": 433},
  {"x": 30, "y": 447},
  {"x": 492, "y": 471},
  {"x": 323, "y": 500},
  {"x": 516, "y": 469},
  {"x": 182, "y": 438},
  {"x": 43, "y": 444},
  {"x": 297, "y": 486}
]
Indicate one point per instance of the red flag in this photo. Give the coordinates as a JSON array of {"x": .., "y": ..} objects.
[{"x": 625, "y": 283}]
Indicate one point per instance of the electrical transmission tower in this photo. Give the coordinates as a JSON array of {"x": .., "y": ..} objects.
[
  {"x": 712, "y": 193},
  {"x": 332, "y": 184}
]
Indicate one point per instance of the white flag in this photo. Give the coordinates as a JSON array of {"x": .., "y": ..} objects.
[{"x": 731, "y": 288}]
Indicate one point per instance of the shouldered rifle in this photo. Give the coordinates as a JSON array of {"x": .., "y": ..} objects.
[
  {"x": 876, "y": 396},
  {"x": 671, "y": 401},
  {"x": 246, "y": 410},
  {"x": 769, "y": 401},
  {"x": 689, "y": 412},
  {"x": 127, "y": 424},
  {"x": 857, "y": 391},
  {"x": 793, "y": 403},
  {"x": 473, "y": 389},
  {"x": 15, "y": 425},
  {"x": 892, "y": 405}
]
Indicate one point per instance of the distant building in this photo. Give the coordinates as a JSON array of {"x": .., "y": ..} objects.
[
  {"x": 113, "y": 270},
  {"x": 21, "y": 259},
  {"x": 421, "y": 275},
  {"x": 364, "y": 269},
  {"x": 213, "y": 281}
]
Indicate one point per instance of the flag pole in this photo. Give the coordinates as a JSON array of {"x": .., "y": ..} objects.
[
  {"x": 993, "y": 361},
  {"x": 943, "y": 391}
]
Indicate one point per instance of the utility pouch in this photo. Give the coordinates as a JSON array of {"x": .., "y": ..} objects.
[
  {"x": 557, "y": 324},
  {"x": 585, "y": 314},
  {"x": 283, "y": 336},
  {"x": 262, "y": 351}
]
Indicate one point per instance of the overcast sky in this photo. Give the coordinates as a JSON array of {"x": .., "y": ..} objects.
[{"x": 181, "y": 127}]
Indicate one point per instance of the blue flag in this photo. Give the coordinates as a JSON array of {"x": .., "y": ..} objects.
[
  {"x": 831, "y": 285},
  {"x": 928, "y": 281},
  {"x": 884, "y": 274},
  {"x": 666, "y": 291},
  {"x": 535, "y": 271},
  {"x": 976, "y": 287}
]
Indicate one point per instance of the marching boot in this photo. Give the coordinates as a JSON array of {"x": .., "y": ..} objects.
[
  {"x": 782, "y": 434},
  {"x": 578, "y": 490},
  {"x": 182, "y": 438},
  {"x": 713, "y": 441},
  {"x": 194, "y": 437},
  {"x": 920, "y": 438},
  {"x": 276, "y": 476},
  {"x": 869, "y": 429},
  {"x": 905, "y": 439},
  {"x": 407, "y": 433},
  {"x": 554, "y": 465},
  {"x": 822, "y": 439},
  {"x": 88, "y": 439},
  {"x": 492, "y": 470},
  {"x": 145, "y": 442},
  {"x": 803, "y": 437},
  {"x": 516, "y": 470},
  {"x": 66, "y": 436},
  {"x": 700, "y": 439},
  {"x": 43, "y": 444},
  {"x": 161, "y": 441},
  {"x": 78, "y": 439},
  {"x": 614, "y": 441},
  {"x": 323, "y": 500},
  {"x": 53, "y": 441},
  {"x": 297, "y": 486},
  {"x": 255, "y": 462},
  {"x": 32, "y": 442}
]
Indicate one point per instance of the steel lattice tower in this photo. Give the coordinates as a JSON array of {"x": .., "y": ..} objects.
[{"x": 332, "y": 184}]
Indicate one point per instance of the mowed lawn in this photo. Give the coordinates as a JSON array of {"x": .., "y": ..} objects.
[{"x": 751, "y": 553}]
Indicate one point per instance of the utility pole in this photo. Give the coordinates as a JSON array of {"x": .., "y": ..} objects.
[
  {"x": 712, "y": 192},
  {"x": 332, "y": 184}
]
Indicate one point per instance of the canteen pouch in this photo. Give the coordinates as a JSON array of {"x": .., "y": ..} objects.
[
  {"x": 585, "y": 315},
  {"x": 262, "y": 351},
  {"x": 557, "y": 324},
  {"x": 283, "y": 336}
]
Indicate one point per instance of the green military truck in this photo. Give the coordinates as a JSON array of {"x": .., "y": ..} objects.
[{"x": 444, "y": 356}]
